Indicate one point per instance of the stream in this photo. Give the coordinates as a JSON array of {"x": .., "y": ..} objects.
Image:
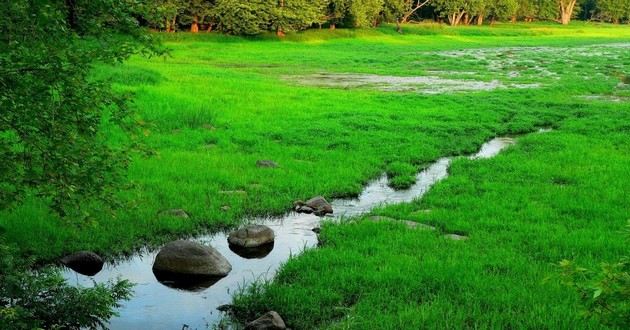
[{"x": 157, "y": 306}]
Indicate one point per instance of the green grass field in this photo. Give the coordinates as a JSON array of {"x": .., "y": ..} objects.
[{"x": 218, "y": 104}]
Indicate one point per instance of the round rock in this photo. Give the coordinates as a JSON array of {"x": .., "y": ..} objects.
[
  {"x": 251, "y": 236},
  {"x": 84, "y": 262},
  {"x": 191, "y": 258},
  {"x": 271, "y": 320}
]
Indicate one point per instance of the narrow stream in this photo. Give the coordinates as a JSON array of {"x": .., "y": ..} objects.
[{"x": 158, "y": 306}]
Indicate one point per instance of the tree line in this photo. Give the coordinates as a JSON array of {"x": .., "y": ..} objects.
[{"x": 249, "y": 17}]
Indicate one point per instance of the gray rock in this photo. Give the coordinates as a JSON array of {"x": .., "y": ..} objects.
[
  {"x": 271, "y": 320},
  {"x": 191, "y": 258},
  {"x": 316, "y": 230},
  {"x": 84, "y": 262},
  {"x": 176, "y": 213},
  {"x": 456, "y": 237},
  {"x": 251, "y": 236},
  {"x": 304, "y": 209},
  {"x": 317, "y": 205},
  {"x": 410, "y": 224},
  {"x": 266, "y": 163}
]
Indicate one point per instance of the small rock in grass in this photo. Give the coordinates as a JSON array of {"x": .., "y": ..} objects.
[
  {"x": 175, "y": 213},
  {"x": 410, "y": 224},
  {"x": 271, "y": 320},
  {"x": 225, "y": 208},
  {"x": 233, "y": 192},
  {"x": 266, "y": 163},
  {"x": 456, "y": 237},
  {"x": 84, "y": 262},
  {"x": 251, "y": 236}
]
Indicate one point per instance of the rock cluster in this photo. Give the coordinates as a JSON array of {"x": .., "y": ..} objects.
[{"x": 316, "y": 205}]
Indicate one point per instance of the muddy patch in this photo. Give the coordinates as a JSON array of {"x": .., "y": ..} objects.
[{"x": 419, "y": 84}]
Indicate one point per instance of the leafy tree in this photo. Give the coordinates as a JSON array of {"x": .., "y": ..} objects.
[
  {"x": 453, "y": 10},
  {"x": 479, "y": 9},
  {"x": 51, "y": 124},
  {"x": 42, "y": 299},
  {"x": 503, "y": 9},
  {"x": 295, "y": 15},
  {"x": 337, "y": 11},
  {"x": 196, "y": 11},
  {"x": 567, "y": 9},
  {"x": 547, "y": 9},
  {"x": 400, "y": 11},
  {"x": 614, "y": 10},
  {"x": 527, "y": 9},
  {"x": 164, "y": 13},
  {"x": 244, "y": 17},
  {"x": 365, "y": 13}
]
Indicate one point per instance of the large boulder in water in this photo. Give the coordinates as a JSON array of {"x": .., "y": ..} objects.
[
  {"x": 251, "y": 236},
  {"x": 316, "y": 205},
  {"x": 188, "y": 258},
  {"x": 84, "y": 262},
  {"x": 271, "y": 320}
]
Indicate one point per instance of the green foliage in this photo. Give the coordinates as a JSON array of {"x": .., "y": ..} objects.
[
  {"x": 503, "y": 9},
  {"x": 164, "y": 13},
  {"x": 614, "y": 10},
  {"x": 243, "y": 17},
  {"x": 605, "y": 293},
  {"x": 42, "y": 300},
  {"x": 50, "y": 126},
  {"x": 296, "y": 15},
  {"x": 365, "y": 13}
]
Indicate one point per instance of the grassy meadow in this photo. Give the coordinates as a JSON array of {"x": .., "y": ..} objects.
[{"x": 217, "y": 104}]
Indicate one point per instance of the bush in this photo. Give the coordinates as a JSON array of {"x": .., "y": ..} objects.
[
  {"x": 43, "y": 300},
  {"x": 605, "y": 293}
]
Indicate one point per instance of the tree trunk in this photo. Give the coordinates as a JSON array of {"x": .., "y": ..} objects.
[
  {"x": 332, "y": 26},
  {"x": 480, "y": 18},
  {"x": 513, "y": 19},
  {"x": 457, "y": 17},
  {"x": 280, "y": 33},
  {"x": 566, "y": 11},
  {"x": 194, "y": 28},
  {"x": 398, "y": 27},
  {"x": 173, "y": 23}
]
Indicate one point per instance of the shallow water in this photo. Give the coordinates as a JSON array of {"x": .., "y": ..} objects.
[
  {"x": 158, "y": 306},
  {"x": 419, "y": 84}
]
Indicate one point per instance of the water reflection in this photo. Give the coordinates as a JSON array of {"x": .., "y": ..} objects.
[{"x": 169, "y": 303}]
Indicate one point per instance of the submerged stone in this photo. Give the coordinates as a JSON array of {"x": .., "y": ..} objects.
[
  {"x": 251, "y": 236},
  {"x": 258, "y": 252},
  {"x": 188, "y": 259},
  {"x": 317, "y": 205},
  {"x": 84, "y": 262}
]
